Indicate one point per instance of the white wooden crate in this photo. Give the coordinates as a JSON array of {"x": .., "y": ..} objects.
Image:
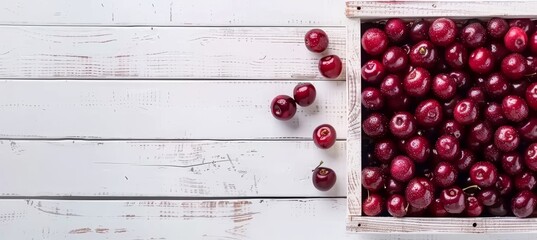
[{"x": 363, "y": 11}]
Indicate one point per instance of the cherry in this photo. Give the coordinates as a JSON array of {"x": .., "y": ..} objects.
[
  {"x": 481, "y": 61},
  {"x": 373, "y": 205},
  {"x": 283, "y": 107},
  {"x": 466, "y": 112},
  {"x": 532, "y": 42},
  {"x": 374, "y": 41},
  {"x": 453, "y": 128},
  {"x": 497, "y": 86},
  {"x": 419, "y": 31},
  {"x": 395, "y": 59},
  {"x": 393, "y": 186},
  {"x": 513, "y": 66},
  {"x": 323, "y": 178},
  {"x": 444, "y": 86},
  {"x": 423, "y": 54},
  {"x": 491, "y": 153},
  {"x": 466, "y": 160},
  {"x": 461, "y": 78},
  {"x": 483, "y": 174},
  {"x": 316, "y": 40},
  {"x": 418, "y": 148},
  {"x": 324, "y": 136},
  {"x": 453, "y": 200},
  {"x": 514, "y": 108},
  {"x": 524, "y": 23},
  {"x": 474, "y": 208},
  {"x": 445, "y": 174},
  {"x": 498, "y": 51},
  {"x": 429, "y": 113},
  {"x": 504, "y": 184},
  {"x": 419, "y": 193},
  {"x": 512, "y": 163},
  {"x": 417, "y": 83},
  {"x": 479, "y": 135},
  {"x": 531, "y": 96},
  {"x": 449, "y": 106},
  {"x": 474, "y": 35},
  {"x": 525, "y": 181},
  {"x": 498, "y": 210},
  {"x": 436, "y": 209},
  {"x": 447, "y": 147},
  {"x": 372, "y": 98},
  {"x": 497, "y": 27},
  {"x": 396, "y": 205},
  {"x": 396, "y": 29},
  {"x": 330, "y": 66},
  {"x": 402, "y": 168},
  {"x": 403, "y": 125},
  {"x": 528, "y": 129},
  {"x": 443, "y": 31},
  {"x": 372, "y": 179},
  {"x": 304, "y": 94},
  {"x": 516, "y": 40},
  {"x": 506, "y": 138},
  {"x": 523, "y": 204},
  {"x": 391, "y": 86},
  {"x": 385, "y": 150},
  {"x": 373, "y": 71},
  {"x": 488, "y": 197},
  {"x": 456, "y": 55},
  {"x": 477, "y": 95},
  {"x": 376, "y": 125},
  {"x": 494, "y": 114},
  {"x": 530, "y": 157}
]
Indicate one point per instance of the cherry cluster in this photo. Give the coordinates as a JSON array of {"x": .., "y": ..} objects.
[{"x": 449, "y": 117}]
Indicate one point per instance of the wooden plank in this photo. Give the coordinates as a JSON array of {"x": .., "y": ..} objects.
[
  {"x": 162, "y": 109},
  {"x": 414, "y": 9},
  {"x": 162, "y": 52},
  {"x": 174, "y": 12},
  {"x": 170, "y": 168},
  {"x": 354, "y": 105}
]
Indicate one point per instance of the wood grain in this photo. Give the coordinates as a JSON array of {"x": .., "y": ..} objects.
[
  {"x": 163, "y": 52},
  {"x": 174, "y": 12},
  {"x": 415, "y": 9},
  {"x": 162, "y": 109},
  {"x": 164, "y": 169}
]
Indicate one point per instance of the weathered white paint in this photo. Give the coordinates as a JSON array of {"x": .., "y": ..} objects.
[
  {"x": 162, "y": 109},
  {"x": 167, "y": 168},
  {"x": 174, "y": 12},
  {"x": 162, "y": 52}
]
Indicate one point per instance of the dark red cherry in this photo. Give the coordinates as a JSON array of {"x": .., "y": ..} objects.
[
  {"x": 419, "y": 30},
  {"x": 324, "y": 136},
  {"x": 372, "y": 179},
  {"x": 525, "y": 181},
  {"x": 374, "y": 41},
  {"x": 436, "y": 209},
  {"x": 483, "y": 174},
  {"x": 373, "y": 71},
  {"x": 403, "y": 125},
  {"x": 419, "y": 193},
  {"x": 453, "y": 128},
  {"x": 528, "y": 129},
  {"x": 494, "y": 114},
  {"x": 506, "y": 138},
  {"x": 316, "y": 40},
  {"x": 453, "y": 200},
  {"x": 429, "y": 113},
  {"x": 396, "y": 205},
  {"x": 497, "y": 27},
  {"x": 447, "y": 148},
  {"x": 423, "y": 54},
  {"x": 512, "y": 163},
  {"x": 523, "y": 204},
  {"x": 474, "y": 208},
  {"x": 531, "y": 96},
  {"x": 488, "y": 197},
  {"x": 444, "y": 86},
  {"x": 498, "y": 51},
  {"x": 396, "y": 29},
  {"x": 530, "y": 157},
  {"x": 516, "y": 40},
  {"x": 449, "y": 106},
  {"x": 466, "y": 112},
  {"x": 323, "y": 178},
  {"x": 417, "y": 83},
  {"x": 497, "y": 86},
  {"x": 532, "y": 42},
  {"x": 393, "y": 186},
  {"x": 385, "y": 150},
  {"x": 514, "y": 108},
  {"x": 479, "y": 135},
  {"x": 443, "y": 31},
  {"x": 402, "y": 168},
  {"x": 524, "y": 23},
  {"x": 391, "y": 86},
  {"x": 491, "y": 153},
  {"x": 395, "y": 60},
  {"x": 465, "y": 161},
  {"x": 513, "y": 66},
  {"x": 477, "y": 95},
  {"x": 401, "y": 103},
  {"x": 372, "y": 98},
  {"x": 474, "y": 35},
  {"x": 373, "y": 205},
  {"x": 330, "y": 66},
  {"x": 283, "y": 107},
  {"x": 519, "y": 88},
  {"x": 462, "y": 79},
  {"x": 304, "y": 94},
  {"x": 445, "y": 174},
  {"x": 481, "y": 61},
  {"x": 456, "y": 55},
  {"x": 504, "y": 185},
  {"x": 376, "y": 125},
  {"x": 418, "y": 148}
]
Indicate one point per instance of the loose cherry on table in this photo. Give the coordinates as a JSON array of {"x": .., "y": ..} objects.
[
  {"x": 330, "y": 66},
  {"x": 304, "y": 94},
  {"x": 316, "y": 40},
  {"x": 283, "y": 107},
  {"x": 324, "y": 136},
  {"x": 323, "y": 178}
]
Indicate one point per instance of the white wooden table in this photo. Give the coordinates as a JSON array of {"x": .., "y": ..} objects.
[{"x": 137, "y": 119}]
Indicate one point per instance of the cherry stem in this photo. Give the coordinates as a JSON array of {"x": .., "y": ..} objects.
[
  {"x": 368, "y": 194},
  {"x": 406, "y": 207},
  {"x": 470, "y": 187},
  {"x": 321, "y": 163}
]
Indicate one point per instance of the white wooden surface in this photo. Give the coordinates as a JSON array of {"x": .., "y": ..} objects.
[{"x": 112, "y": 99}]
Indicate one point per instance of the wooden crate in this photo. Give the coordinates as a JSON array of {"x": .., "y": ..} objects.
[{"x": 361, "y": 11}]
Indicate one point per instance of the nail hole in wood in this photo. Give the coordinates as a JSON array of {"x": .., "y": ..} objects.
[
  {"x": 474, "y": 225},
  {"x": 434, "y": 5},
  {"x": 359, "y": 224},
  {"x": 358, "y": 8}
]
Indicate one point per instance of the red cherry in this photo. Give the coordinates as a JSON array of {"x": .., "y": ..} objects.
[
  {"x": 372, "y": 179},
  {"x": 375, "y": 126},
  {"x": 402, "y": 168},
  {"x": 533, "y": 43},
  {"x": 442, "y": 31},
  {"x": 530, "y": 157},
  {"x": 324, "y": 178},
  {"x": 324, "y": 136},
  {"x": 481, "y": 61},
  {"x": 304, "y": 94},
  {"x": 506, "y": 138},
  {"x": 283, "y": 107},
  {"x": 373, "y": 205},
  {"x": 417, "y": 83},
  {"x": 444, "y": 86},
  {"x": 456, "y": 55},
  {"x": 419, "y": 193},
  {"x": 513, "y": 66},
  {"x": 420, "y": 30},
  {"x": 374, "y": 41},
  {"x": 330, "y": 66},
  {"x": 396, "y": 29},
  {"x": 316, "y": 40},
  {"x": 423, "y": 54},
  {"x": 497, "y": 27},
  {"x": 373, "y": 71},
  {"x": 466, "y": 112},
  {"x": 516, "y": 39},
  {"x": 531, "y": 96},
  {"x": 515, "y": 108},
  {"x": 396, "y": 205},
  {"x": 474, "y": 35},
  {"x": 429, "y": 113},
  {"x": 483, "y": 174},
  {"x": 453, "y": 200},
  {"x": 395, "y": 60},
  {"x": 372, "y": 98}
]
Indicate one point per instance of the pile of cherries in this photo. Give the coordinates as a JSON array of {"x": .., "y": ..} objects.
[
  {"x": 283, "y": 107},
  {"x": 449, "y": 117}
]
